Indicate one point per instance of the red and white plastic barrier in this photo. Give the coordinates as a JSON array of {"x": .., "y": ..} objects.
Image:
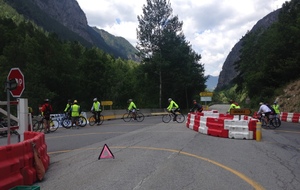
[
  {"x": 290, "y": 117},
  {"x": 17, "y": 161},
  {"x": 222, "y": 125}
]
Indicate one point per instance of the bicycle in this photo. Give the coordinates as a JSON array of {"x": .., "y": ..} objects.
[
  {"x": 92, "y": 119},
  {"x": 179, "y": 118},
  {"x": 66, "y": 121},
  {"x": 38, "y": 125},
  {"x": 129, "y": 115},
  {"x": 4, "y": 124},
  {"x": 274, "y": 121}
]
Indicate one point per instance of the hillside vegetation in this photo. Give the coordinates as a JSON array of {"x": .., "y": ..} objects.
[
  {"x": 289, "y": 100},
  {"x": 269, "y": 61}
]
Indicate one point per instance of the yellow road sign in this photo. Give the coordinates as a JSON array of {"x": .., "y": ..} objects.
[
  {"x": 242, "y": 111},
  {"x": 209, "y": 94},
  {"x": 106, "y": 103}
]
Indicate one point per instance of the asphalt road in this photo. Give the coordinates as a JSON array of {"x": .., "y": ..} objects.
[{"x": 155, "y": 155}]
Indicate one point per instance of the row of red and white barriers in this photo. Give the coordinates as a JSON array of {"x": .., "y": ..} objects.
[{"x": 229, "y": 126}]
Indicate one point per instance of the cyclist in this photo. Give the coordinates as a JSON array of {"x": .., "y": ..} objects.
[
  {"x": 46, "y": 111},
  {"x": 196, "y": 107},
  {"x": 173, "y": 107},
  {"x": 233, "y": 105},
  {"x": 68, "y": 107},
  {"x": 264, "y": 109},
  {"x": 75, "y": 113},
  {"x": 275, "y": 106},
  {"x": 132, "y": 108},
  {"x": 96, "y": 109}
]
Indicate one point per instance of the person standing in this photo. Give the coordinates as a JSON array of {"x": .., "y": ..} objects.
[
  {"x": 96, "y": 110},
  {"x": 132, "y": 108},
  {"x": 46, "y": 111},
  {"x": 68, "y": 107},
  {"x": 173, "y": 107},
  {"x": 75, "y": 113},
  {"x": 196, "y": 107}
]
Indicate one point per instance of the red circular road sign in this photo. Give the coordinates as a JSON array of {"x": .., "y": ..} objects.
[{"x": 18, "y": 75}]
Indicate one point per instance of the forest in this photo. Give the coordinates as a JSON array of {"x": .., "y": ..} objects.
[{"x": 60, "y": 70}]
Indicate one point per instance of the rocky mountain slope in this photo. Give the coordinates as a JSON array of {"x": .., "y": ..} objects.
[
  {"x": 289, "y": 101},
  {"x": 69, "y": 22},
  {"x": 228, "y": 72}
]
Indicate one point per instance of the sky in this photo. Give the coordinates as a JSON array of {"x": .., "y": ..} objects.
[{"x": 212, "y": 27}]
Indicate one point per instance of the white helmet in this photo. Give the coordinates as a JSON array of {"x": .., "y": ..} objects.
[
  {"x": 95, "y": 99},
  {"x": 169, "y": 99}
]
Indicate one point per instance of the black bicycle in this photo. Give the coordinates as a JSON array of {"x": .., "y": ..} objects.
[
  {"x": 92, "y": 119},
  {"x": 137, "y": 115},
  {"x": 66, "y": 121},
  {"x": 273, "y": 121},
  {"x": 38, "y": 124},
  {"x": 179, "y": 117}
]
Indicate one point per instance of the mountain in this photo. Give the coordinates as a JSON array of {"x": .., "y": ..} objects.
[
  {"x": 211, "y": 82},
  {"x": 228, "y": 73},
  {"x": 69, "y": 22}
]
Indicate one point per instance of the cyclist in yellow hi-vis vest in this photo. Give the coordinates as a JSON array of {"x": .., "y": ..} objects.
[
  {"x": 75, "y": 113},
  {"x": 275, "y": 106},
  {"x": 96, "y": 110},
  {"x": 233, "y": 105}
]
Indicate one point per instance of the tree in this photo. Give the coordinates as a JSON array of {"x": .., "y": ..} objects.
[{"x": 162, "y": 46}]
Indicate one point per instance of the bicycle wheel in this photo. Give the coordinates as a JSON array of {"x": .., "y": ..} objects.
[
  {"x": 263, "y": 123},
  {"x": 82, "y": 121},
  {"x": 101, "y": 119},
  {"x": 180, "y": 118},
  {"x": 140, "y": 117},
  {"x": 3, "y": 133},
  {"x": 166, "y": 118},
  {"x": 66, "y": 123},
  {"x": 275, "y": 122},
  {"x": 35, "y": 125},
  {"x": 54, "y": 124},
  {"x": 127, "y": 117},
  {"x": 92, "y": 120}
]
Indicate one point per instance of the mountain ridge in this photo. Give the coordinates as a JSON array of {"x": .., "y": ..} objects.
[
  {"x": 228, "y": 73},
  {"x": 69, "y": 22}
]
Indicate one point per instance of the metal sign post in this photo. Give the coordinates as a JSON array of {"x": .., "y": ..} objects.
[{"x": 10, "y": 85}]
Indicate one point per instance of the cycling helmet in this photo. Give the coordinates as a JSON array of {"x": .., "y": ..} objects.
[
  {"x": 69, "y": 100},
  {"x": 261, "y": 103},
  {"x": 169, "y": 99},
  {"x": 95, "y": 99},
  {"x": 194, "y": 101},
  {"x": 75, "y": 101},
  {"x": 46, "y": 100}
]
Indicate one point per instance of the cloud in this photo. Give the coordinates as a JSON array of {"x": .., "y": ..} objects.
[{"x": 212, "y": 27}]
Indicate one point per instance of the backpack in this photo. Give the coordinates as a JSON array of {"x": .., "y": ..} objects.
[{"x": 47, "y": 110}]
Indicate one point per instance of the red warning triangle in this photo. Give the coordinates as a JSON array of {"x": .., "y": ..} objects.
[{"x": 106, "y": 153}]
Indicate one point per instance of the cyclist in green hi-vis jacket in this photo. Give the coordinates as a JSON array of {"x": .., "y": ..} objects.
[
  {"x": 132, "y": 108},
  {"x": 173, "y": 107}
]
